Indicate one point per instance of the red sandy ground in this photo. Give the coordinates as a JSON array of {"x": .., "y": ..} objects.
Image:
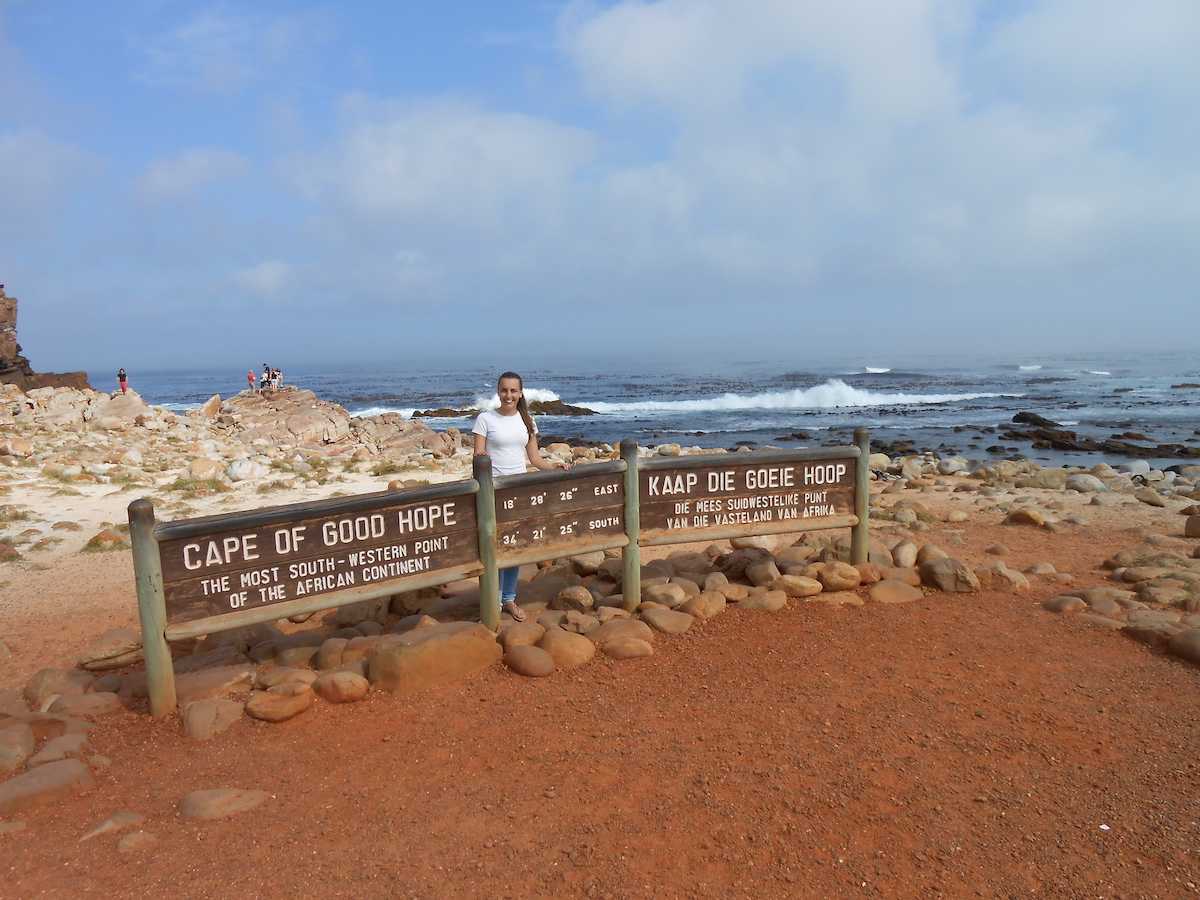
[{"x": 959, "y": 746}]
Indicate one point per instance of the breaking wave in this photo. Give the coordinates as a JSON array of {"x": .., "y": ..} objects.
[
  {"x": 531, "y": 394},
  {"x": 833, "y": 394},
  {"x": 380, "y": 410}
]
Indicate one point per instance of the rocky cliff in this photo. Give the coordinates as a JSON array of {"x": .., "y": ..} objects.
[{"x": 15, "y": 368}]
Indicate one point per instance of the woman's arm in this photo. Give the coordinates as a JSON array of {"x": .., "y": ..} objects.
[
  {"x": 481, "y": 445},
  {"x": 535, "y": 456}
]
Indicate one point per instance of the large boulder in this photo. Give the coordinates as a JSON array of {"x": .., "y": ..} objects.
[
  {"x": 999, "y": 577},
  {"x": 949, "y": 576},
  {"x": 705, "y": 605},
  {"x": 204, "y": 719},
  {"x": 112, "y": 650},
  {"x": 45, "y": 784},
  {"x": 1186, "y": 645},
  {"x": 280, "y": 703},
  {"x": 17, "y": 744},
  {"x": 569, "y": 650},
  {"x": 219, "y": 803},
  {"x": 404, "y": 664},
  {"x": 293, "y": 417}
]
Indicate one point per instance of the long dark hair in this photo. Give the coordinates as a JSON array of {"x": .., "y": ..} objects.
[{"x": 522, "y": 406}]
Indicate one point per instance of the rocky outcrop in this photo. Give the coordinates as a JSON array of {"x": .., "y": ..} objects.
[
  {"x": 1044, "y": 438},
  {"x": 15, "y": 368},
  {"x": 66, "y": 407},
  {"x": 288, "y": 416}
]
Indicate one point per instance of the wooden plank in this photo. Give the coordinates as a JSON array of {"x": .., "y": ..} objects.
[
  {"x": 524, "y": 501},
  {"x": 662, "y": 537},
  {"x": 560, "y": 530},
  {"x": 733, "y": 497},
  {"x": 364, "y": 564},
  {"x": 311, "y": 509},
  {"x": 575, "y": 509},
  {"x": 249, "y": 616},
  {"x": 272, "y": 562}
]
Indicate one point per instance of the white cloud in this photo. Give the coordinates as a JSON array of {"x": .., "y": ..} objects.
[
  {"x": 189, "y": 171},
  {"x": 1093, "y": 48},
  {"x": 223, "y": 48},
  {"x": 429, "y": 201},
  {"x": 267, "y": 280},
  {"x": 442, "y": 159},
  {"x": 867, "y": 144},
  {"x": 689, "y": 57}
]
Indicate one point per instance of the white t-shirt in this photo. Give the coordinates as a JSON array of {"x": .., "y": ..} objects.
[{"x": 506, "y": 440}]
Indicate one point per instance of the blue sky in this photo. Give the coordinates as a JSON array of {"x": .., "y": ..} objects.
[{"x": 208, "y": 184}]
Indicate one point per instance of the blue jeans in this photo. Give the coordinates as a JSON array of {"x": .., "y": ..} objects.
[{"x": 508, "y": 584}]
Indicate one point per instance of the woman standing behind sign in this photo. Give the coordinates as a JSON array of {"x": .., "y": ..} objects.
[{"x": 509, "y": 437}]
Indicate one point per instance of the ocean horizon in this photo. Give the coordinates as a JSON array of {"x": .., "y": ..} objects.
[{"x": 950, "y": 405}]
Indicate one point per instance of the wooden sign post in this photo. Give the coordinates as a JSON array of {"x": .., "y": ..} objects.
[
  {"x": 199, "y": 576},
  {"x": 203, "y": 575}
]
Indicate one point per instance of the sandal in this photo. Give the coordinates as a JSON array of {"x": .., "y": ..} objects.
[{"x": 510, "y": 607}]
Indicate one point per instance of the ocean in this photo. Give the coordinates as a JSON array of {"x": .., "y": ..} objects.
[{"x": 952, "y": 405}]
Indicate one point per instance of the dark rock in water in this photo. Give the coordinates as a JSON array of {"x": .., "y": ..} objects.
[
  {"x": 443, "y": 413},
  {"x": 1061, "y": 439},
  {"x": 894, "y": 448},
  {"x": 558, "y": 408},
  {"x": 1028, "y": 418},
  {"x": 1185, "y": 384},
  {"x": 16, "y": 369}
]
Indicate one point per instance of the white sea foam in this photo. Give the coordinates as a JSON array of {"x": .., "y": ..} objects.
[
  {"x": 532, "y": 395},
  {"x": 1097, "y": 372},
  {"x": 1029, "y": 368},
  {"x": 871, "y": 370},
  {"x": 832, "y": 394}
]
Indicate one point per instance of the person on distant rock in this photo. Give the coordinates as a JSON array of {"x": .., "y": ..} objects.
[
  {"x": 266, "y": 378},
  {"x": 509, "y": 436},
  {"x": 122, "y": 378},
  {"x": 250, "y": 378}
]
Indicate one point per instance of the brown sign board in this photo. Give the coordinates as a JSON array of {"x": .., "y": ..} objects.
[
  {"x": 731, "y": 496},
  {"x": 562, "y": 512},
  {"x": 232, "y": 568}
]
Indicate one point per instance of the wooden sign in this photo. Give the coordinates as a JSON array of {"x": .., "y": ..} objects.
[
  {"x": 563, "y": 512},
  {"x": 261, "y": 562},
  {"x": 732, "y": 497}
]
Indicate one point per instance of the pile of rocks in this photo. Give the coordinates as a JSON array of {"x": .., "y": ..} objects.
[
  {"x": 84, "y": 436},
  {"x": 1156, "y": 599}
]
